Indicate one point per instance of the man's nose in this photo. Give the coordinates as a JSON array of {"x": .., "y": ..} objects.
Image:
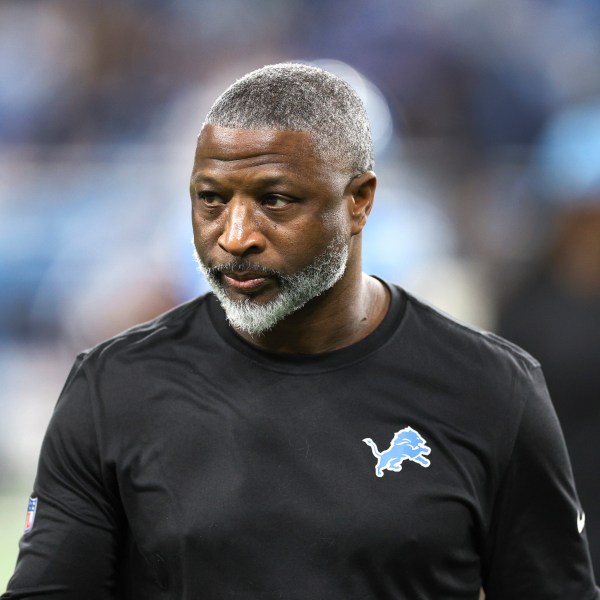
[{"x": 241, "y": 234}]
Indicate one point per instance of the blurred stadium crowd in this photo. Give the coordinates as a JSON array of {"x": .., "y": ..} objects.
[{"x": 486, "y": 118}]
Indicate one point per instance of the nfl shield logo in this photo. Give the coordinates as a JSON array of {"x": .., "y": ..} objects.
[{"x": 30, "y": 518}]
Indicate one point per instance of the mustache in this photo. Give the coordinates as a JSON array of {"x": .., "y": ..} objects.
[{"x": 240, "y": 265}]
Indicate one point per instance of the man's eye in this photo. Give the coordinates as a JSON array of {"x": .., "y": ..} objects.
[
  {"x": 210, "y": 198},
  {"x": 276, "y": 201}
]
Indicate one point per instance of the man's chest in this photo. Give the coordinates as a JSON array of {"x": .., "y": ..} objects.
[{"x": 291, "y": 475}]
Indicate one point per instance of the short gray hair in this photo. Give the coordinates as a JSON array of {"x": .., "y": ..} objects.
[{"x": 296, "y": 97}]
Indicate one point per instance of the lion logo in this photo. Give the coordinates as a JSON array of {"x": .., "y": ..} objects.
[{"x": 407, "y": 444}]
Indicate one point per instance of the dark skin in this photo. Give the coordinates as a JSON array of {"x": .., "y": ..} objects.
[{"x": 267, "y": 197}]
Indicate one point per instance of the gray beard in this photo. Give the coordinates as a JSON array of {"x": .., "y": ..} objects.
[{"x": 295, "y": 290}]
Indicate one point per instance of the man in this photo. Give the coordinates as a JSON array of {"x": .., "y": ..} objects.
[{"x": 314, "y": 433}]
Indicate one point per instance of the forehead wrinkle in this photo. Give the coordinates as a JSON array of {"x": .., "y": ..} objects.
[
  {"x": 224, "y": 143},
  {"x": 262, "y": 174},
  {"x": 287, "y": 161}
]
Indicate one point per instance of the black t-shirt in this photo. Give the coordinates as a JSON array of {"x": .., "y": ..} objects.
[
  {"x": 421, "y": 463},
  {"x": 562, "y": 330}
]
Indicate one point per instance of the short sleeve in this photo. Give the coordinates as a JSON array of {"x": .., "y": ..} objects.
[
  {"x": 71, "y": 550},
  {"x": 537, "y": 547}
]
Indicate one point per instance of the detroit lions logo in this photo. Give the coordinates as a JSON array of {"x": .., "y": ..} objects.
[{"x": 407, "y": 444}]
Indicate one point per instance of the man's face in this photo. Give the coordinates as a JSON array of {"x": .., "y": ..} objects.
[{"x": 270, "y": 219}]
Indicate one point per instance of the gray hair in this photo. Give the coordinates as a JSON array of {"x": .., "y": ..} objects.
[{"x": 296, "y": 97}]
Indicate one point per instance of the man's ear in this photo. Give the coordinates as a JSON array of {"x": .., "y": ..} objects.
[{"x": 361, "y": 193}]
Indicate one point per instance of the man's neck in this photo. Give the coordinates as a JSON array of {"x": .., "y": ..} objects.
[{"x": 342, "y": 316}]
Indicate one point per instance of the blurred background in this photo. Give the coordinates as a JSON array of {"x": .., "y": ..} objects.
[{"x": 486, "y": 119}]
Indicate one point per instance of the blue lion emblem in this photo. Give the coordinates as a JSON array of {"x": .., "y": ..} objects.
[{"x": 407, "y": 444}]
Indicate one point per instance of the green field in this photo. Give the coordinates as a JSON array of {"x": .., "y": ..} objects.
[{"x": 12, "y": 517}]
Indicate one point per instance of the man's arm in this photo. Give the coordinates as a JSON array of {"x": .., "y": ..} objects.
[
  {"x": 537, "y": 548},
  {"x": 71, "y": 550}
]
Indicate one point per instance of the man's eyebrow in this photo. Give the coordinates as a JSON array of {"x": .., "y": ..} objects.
[{"x": 201, "y": 178}]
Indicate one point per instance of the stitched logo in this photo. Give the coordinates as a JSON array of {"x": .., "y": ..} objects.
[
  {"x": 30, "y": 517},
  {"x": 580, "y": 521},
  {"x": 407, "y": 444}
]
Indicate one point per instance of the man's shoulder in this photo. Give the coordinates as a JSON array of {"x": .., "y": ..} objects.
[
  {"x": 466, "y": 339},
  {"x": 163, "y": 330}
]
